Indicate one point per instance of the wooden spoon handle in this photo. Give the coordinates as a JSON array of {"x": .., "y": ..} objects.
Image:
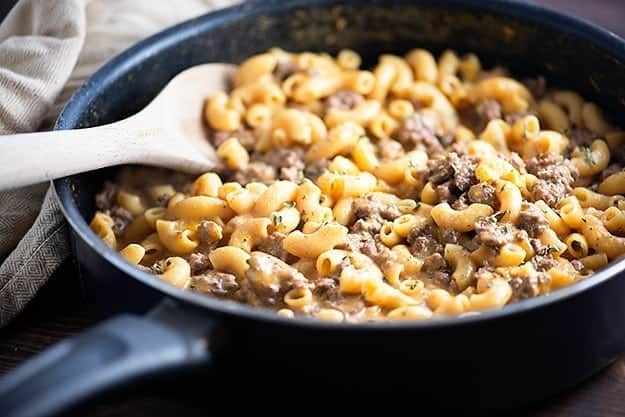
[{"x": 30, "y": 158}]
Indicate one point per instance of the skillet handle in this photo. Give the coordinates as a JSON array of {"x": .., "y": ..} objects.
[{"x": 118, "y": 351}]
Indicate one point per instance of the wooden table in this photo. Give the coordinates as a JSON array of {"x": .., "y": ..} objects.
[{"x": 58, "y": 312}]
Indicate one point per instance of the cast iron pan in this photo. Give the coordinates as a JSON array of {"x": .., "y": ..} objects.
[{"x": 259, "y": 361}]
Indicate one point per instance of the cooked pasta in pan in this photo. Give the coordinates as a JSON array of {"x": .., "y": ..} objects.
[{"x": 424, "y": 187}]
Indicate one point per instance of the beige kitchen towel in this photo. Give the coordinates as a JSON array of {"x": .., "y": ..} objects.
[{"x": 48, "y": 49}]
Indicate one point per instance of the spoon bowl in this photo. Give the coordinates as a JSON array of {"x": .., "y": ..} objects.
[{"x": 169, "y": 132}]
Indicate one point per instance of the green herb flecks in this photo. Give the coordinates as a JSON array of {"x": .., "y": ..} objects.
[{"x": 588, "y": 156}]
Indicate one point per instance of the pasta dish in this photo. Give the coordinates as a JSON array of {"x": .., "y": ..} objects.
[{"x": 425, "y": 187}]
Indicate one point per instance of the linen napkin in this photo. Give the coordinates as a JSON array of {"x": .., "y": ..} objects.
[{"x": 48, "y": 49}]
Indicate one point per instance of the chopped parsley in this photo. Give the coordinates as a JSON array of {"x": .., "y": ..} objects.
[
  {"x": 500, "y": 215},
  {"x": 551, "y": 248},
  {"x": 588, "y": 155},
  {"x": 277, "y": 219}
]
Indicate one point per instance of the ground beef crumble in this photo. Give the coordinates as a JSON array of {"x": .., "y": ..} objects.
[
  {"x": 268, "y": 279},
  {"x": 220, "y": 284},
  {"x": 495, "y": 235},
  {"x": 420, "y": 129},
  {"x": 288, "y": 163},
  {"x": 121, "y": 219},
  {"x": 273, "y": 246},
  {"x": 579, "y": 136},
  {"x": 529, "y": 286},
  {"x": 199, "y": 262},
  {"x": 532, "y": 219},
  {"x": 255, "y": 172},
  {"x": 343, "y": 100},
  {"x": 245, "y": 137},
  {"x": 476, "y": 116},
  {"x": 556, "y": 176},
  {"x": 452, "y": 175}
]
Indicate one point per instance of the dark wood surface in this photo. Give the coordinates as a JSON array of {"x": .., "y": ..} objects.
[{"x": 58, "y": 312}]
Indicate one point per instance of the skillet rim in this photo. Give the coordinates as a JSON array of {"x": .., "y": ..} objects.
[{"x": 69, "y": 118}]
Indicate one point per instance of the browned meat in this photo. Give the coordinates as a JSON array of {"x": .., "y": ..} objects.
[
  {"x": 532, "y": 220},
  {"x": 245, "y": 136},
  {"x": 343, "y": 100},
  {"x": 390, "y": 149},
  {"x": 105, "y": 199},
  {"x": 199, "y": 263},
  {"x": 215, "y": 283},
  {"x": 369, "y": 244},
  {"x": 423, "y": 242},
  {"x": 269, "y": 278},
  {"x": 482, "y": 193},
  {"x": 378, "y": 251},
  {"x": 537, "y": 245},
  {"x": 461, "y": 202},
  {"x": 370, "y": 214},
  {"x": 515, "y": 160},
  {"x": 369, "y": 206},
  {"x": 367, "y": 225},
  {"x": 329, "y": 295},
  {"x": 419, "y": 128},
  {"x": 443, "y": 279},
  {"x": 580, "y": 136},
  {"x": 544, "y": 262},
  {"x": 273, "y": 246},
  {"x": 284, "y": 69},
  {"x": 578, "y": 265},
  {"x": 452, "y": 175},
  {"x": 460, "y": 169},
  {"x": 556, "y": 177},
  {"x": 209, "y": 233},
  {"x": 327, "y": 287},
  {"x": 434, "y": 262},
  {"x": 289, "y": 163},
  {"x": 476, "y": 116},
  {"x": 445, "y": 191},
  {"x": 439, "y": 170},
  {"x": 121, "y": 218},
  {"x": 437, "y": 269},
  {"x": 256, "y": 172},
  {"x": 529, "y": 286},
  {"x": 464, "y": 171},
  {"x": 495, "y": 235},
  {"x": 448, "y": 236},
  {"x": 611, "y": 169},
  {"x": 313, "y": 170}
]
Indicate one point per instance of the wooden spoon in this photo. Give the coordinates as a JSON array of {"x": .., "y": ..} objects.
[{"x": 168, "y": 132}]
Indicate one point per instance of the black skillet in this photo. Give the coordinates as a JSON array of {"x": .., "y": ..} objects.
[{"x": 474, "y": 365}]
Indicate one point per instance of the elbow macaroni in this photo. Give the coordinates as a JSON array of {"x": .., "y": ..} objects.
[{"x": 353, "y": 195}]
